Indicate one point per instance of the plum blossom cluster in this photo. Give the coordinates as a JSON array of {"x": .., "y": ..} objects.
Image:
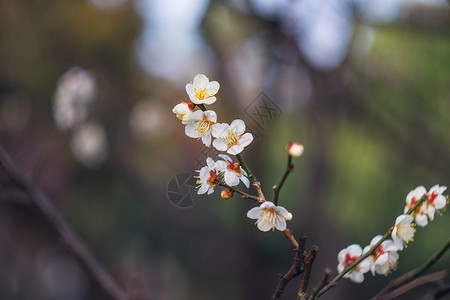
[
  {"x": 382, "y": 254},
  {"x": 202, "y": 124}
]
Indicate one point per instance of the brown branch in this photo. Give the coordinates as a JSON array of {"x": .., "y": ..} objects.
[
  {"x": 288, "y": 234},
  {"x": 295, "y": 270},
  {"x": 415, "y": 283},
  {"x": 64, "y": 231},
  {"x": 309, "y": 260}
]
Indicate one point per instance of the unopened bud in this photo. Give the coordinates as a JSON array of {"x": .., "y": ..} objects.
[
  {"x": 288, "y": 217},
  {"x": 227, "y": 193},
  {"x": 295, "y": 149}
]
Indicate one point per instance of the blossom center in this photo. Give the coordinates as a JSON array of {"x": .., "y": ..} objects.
[
  {"x": 233, "y": 138},
  {"x": 378, "y": 251},
  {"x": 234, "y": 167},
  {"x": 348, "y": 260},
  {"x": 204, "y": 126},
  {"x": 418, "y": 210},
  {"x": 201, "y": 94},
  {"x": 431, "y": 198},
  {"x": 269, "y": 216},
  {"x": 406, "y": 231},
  {"x": 213, "y": 178}
]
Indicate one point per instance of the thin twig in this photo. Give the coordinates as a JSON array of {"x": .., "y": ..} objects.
[
  {"x": 64, "y": 231},
  {"x": 256, "y": 184},
  {"x": 413, "y": 273},
  {"x": 277, "y": 187},
  {"x": 309, "y": 260},
  {"x": 321, "y": 284},
  {"x": 244, "y": 194},
  {"x": 288, "y": 234},
  {"x": 295, "y": 270}
]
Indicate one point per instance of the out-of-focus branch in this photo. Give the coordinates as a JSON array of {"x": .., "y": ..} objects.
[
  {"x": 64, "y": 231},
  {"x": 309, "y": 260},
  {"x": 414, "y": 273},
  {"x": 295, "y": 270},
  {"x": 429, "y": 278}
]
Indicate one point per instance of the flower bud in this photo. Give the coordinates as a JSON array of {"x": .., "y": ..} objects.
[
  {"x": 295, "y": 149},
  {"x": 227, "y": 193},
  {"x": 182, "y": 109},
  {"x": 288, "y": 217}
]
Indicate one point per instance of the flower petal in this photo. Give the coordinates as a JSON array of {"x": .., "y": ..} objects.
[
  {"x": 234, "y": 150},
  {"x": 213, "y": 87},
  {"x": 219, "y": 130},
  {"x": 254, "y": 213},
  {"x": 220, "y": 144},
  {"x": 246, "y": 139}
]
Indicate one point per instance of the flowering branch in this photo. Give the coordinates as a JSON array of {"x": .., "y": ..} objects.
[
  {"x": 277, "y": 187},
  {"x": 365, "y": 255},
  {"x": 414, "y": 273}
]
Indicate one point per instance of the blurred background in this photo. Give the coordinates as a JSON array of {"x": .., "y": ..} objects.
[{"x": 86, "y": 93}]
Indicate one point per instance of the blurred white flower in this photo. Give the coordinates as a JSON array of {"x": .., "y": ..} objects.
[
  {"x": 403, "y": 231},
  {"x": 384, "y": 258},
  {"x": 435, "y": 200},
  {"x": 348, "y": 256},
  {"x": 232, "y": 171},
  {"x": 419, "y": 213},
  {"x": 75, "y": 90},
  {"x": 269, "y": 216},
  {"x": 201, "y": 91},
  {"x": 89, "y": 144},
  {"x": 231, "y": 138},
  {"x": 148, "y": 120}
]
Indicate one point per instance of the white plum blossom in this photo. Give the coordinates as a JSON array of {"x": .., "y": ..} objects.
[
  {"x": 199, "y": 125},
  {"x": 348, "y": 256},
  {"x": 231, "y": 138},
  {"x": 269, "y": 216},
  {"x": 208, "y": 177},
  {"x": 435, "y": 200},
  {"x": 76, "y": 89},
  {"x": 232, "y": 171},
  {"x": 403, "y": 231},
  {"x": 201, "y": 91},
  {"x": 384, "y": 258},
  {"x": 89, "y": 144},
  {"x": 419, "y": 213},
  {"x": 182, "y": 110}
]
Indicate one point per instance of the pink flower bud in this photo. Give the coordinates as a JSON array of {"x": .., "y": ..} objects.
[
  {"x": 295, "y": 149},
  {"x": 227, "y": 193}
]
